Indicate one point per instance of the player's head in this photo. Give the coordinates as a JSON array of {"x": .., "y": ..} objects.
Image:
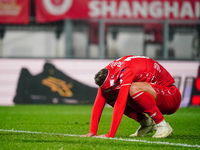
[{"x": 100, "y": 77}]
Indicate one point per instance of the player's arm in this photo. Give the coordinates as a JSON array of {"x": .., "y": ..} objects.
[
  {"x": 96, "y": 113},
  {"x": 118, "y": 110},
  {"x": 121, "y": 101}
]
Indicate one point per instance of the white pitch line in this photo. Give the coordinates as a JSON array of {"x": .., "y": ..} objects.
[{"x": 117, "y": 139}]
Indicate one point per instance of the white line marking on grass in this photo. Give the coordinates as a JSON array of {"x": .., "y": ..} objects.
[{"x": 117, "y": 139}]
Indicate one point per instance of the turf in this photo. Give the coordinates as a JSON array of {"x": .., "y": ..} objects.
[{"x": 58, "y": 126}]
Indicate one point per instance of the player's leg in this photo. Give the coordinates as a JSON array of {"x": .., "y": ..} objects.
[
  {"x": 168, "y": 101},
  {"x": 144, "y": 100},
  {"x": 146, "y": 123}
]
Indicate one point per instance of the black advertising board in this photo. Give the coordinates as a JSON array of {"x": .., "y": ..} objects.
[{"x": 52, "y": 86}]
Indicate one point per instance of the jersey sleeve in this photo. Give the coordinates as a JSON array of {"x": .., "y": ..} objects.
[
  {"x": 118, "y": 111},
  {"x": 96, "y": 112}
]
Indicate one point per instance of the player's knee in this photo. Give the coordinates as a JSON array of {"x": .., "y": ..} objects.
[
  {"x": 135, "y": 88},
  {"x": 142, "y": 86}
]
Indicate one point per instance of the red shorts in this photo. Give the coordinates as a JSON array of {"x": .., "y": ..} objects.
[{"x": 168, "y": 98}]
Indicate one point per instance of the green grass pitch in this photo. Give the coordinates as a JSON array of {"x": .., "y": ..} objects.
[{"x": 57, "y": 127}]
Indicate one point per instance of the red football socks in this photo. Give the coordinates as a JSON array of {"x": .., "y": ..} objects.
[{"x": 144, "y": 102}]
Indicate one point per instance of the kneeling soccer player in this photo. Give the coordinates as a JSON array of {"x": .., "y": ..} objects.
[{"x": 136, "y": 86}]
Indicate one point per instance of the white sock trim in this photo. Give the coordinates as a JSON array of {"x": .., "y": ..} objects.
[{"x": 137, "y": 95}]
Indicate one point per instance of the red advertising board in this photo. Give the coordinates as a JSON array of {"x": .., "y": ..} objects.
[
  {"x": 14, "y": 11},
  {"x": 53, "y": 10}
]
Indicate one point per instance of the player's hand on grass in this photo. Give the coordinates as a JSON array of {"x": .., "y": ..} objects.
[{"x": 87, "y": 135}]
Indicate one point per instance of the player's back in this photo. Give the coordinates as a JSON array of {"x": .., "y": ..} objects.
[{"x": 147, "y": 70}]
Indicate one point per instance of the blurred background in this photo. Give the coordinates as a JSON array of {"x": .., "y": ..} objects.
[{"x": 80, "y": 37}]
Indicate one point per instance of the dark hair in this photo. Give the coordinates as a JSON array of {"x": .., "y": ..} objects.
[{"x": 101, "y": 76}]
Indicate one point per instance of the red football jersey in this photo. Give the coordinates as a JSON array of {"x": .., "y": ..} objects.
[{"x": 121, "y": 73}]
